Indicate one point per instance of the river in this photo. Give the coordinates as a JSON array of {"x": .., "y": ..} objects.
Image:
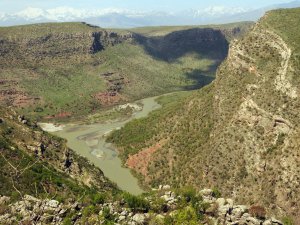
[{"x": 89, "y": 141}]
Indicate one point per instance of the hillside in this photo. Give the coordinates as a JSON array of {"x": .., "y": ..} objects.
[
  {"x": 44, "y": 182},
  {"x": 240, "y": 133},
  {"x": 59, "y": 70}
]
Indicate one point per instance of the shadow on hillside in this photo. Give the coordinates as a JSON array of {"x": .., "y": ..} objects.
[
  {"x": 206, "y": 42},
  {"x": 201, "y": 78}
]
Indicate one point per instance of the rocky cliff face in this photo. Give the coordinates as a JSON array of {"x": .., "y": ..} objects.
[
  {"x": 240, "y": 133},
  {"x": 257, "y": 122},
  {"x": 22, "y": 142},
  {"x": 47, "y": 46},
  {"x": 177, "y": 44}
]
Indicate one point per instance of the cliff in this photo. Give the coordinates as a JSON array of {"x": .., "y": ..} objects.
[
  {"x": 239, "y": 133},
  {"x": 50, "y": 70}
]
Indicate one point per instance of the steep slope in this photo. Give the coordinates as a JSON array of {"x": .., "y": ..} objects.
[
  {"x": 22, "y": 142},
  {"x": 239, "y": 133},
  {"x": 43, "y": 182},
  {"x": 58, "y": 70}
]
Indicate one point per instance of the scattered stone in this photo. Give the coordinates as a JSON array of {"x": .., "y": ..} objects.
[
  {"x": 4, "y": 200},
  {"x": 139, "y": 218},
  {"x": 121, "y": 218},
  {"x": 52, "y": 203}
]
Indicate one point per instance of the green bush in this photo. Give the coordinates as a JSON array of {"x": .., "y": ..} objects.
[
  {"x": 98, "y": 198},
  {"x": 287, "y": 221},
  {"x": 107, "y": 216},
  {"x": 216, "y": 193},
  {"x": 186, "y": 216},
  {"x": 136, "y": 203}
]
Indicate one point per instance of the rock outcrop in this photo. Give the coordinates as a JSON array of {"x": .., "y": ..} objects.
[{"x": 217, "y": 211}]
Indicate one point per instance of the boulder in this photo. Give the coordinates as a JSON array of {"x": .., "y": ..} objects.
[
  {"x": 31, "y": 198},
  {"x": 229, "y": 202},
  {"x": 4, "y": 200},
  {"x": 206, "y": 192},
  {"x": 52, "y": 203},
  {"x": 220, "y": 202},
  {"x": 276, "y": 222},
  {"x": 121, "y": 218},
  {"x": 267, "y": 222},
  {"x": 139, "y": 218}
]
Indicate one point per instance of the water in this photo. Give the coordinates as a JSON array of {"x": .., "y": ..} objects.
[{"x": 89, "y": 141}]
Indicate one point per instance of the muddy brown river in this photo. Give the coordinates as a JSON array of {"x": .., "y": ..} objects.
[{"x": 89, "y": 141}]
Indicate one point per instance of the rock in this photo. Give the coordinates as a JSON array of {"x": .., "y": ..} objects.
[
  {"x": 124, "y": 213},
  {"x": 267, "y": 222},
  {"x": 31, "y": 198},
  {"x": 52, "y": 203},
  {"x": 166, "y": 187},
  {"x": 253, "y": 221},
  {"x": 207, "y": 195},
  {"x": 274, "y": 221},
  {"x": 237, "y": 212},
  {"x": 206, "y": 192},
  {"x": 139, "y": 218},
  {"x": 220, "y": 202},
  {"x": 160, "y": 217},
  {"x": 223, "y": 210},
  {"x": 4, "y": 200},
  {"x": 121, "y": 218},
  {"x": 211, "y": 211},
  {"x": 229, "y": 202}
]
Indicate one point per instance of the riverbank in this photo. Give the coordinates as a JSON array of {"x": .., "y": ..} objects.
[{"x": 88, "y": 140}]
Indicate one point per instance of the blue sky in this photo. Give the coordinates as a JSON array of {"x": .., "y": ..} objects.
[{"x": 10, "y": 6}]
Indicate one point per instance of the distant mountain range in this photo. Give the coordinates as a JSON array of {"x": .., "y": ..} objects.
[{"x": 123, "y": 18}]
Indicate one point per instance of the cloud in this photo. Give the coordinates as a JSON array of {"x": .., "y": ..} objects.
[
  {"x": 117, "y": 17},
  {"x": 69, "y": 13},
  {"x": 220, "y": 11},
  {"x": 30, "y": 13}
]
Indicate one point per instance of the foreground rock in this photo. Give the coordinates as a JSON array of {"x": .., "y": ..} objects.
[{"x": 217, "y": 211}]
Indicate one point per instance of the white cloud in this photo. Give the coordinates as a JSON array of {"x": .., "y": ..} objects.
[
  {"x": 30, "y": 13},
  {"x": 220, "y": 10},
  {"x": 2, "y": 15},
  {"x": 68, "y": 13},
  {"x": 65, "y": 13}
]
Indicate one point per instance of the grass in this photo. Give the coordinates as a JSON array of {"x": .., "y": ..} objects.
[
  {"x": 64, "y": 90},
  {"x": 136, "y": 134},
  {"x": 53, "y": 62},
  {"x": 158, "y": 77},
  {"x": 212, "y": 140},
  {"x": 38, "y": 30}
]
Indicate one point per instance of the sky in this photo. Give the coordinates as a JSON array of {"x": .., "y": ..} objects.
[{"x": 12, "y": 6}]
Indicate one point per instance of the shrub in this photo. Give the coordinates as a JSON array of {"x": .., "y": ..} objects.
[
  {"x": 287, "y": 221},
  {"x": 38, "y": 109},
  {"x": 186, "y": 216},
  {"x": 108, "y": 217},
  {"x": 257, "y": 211},
  {"x": 98, "y": 198},
  {"x": 216, "y": 193},
  {"x": 136, "y": 203}
]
